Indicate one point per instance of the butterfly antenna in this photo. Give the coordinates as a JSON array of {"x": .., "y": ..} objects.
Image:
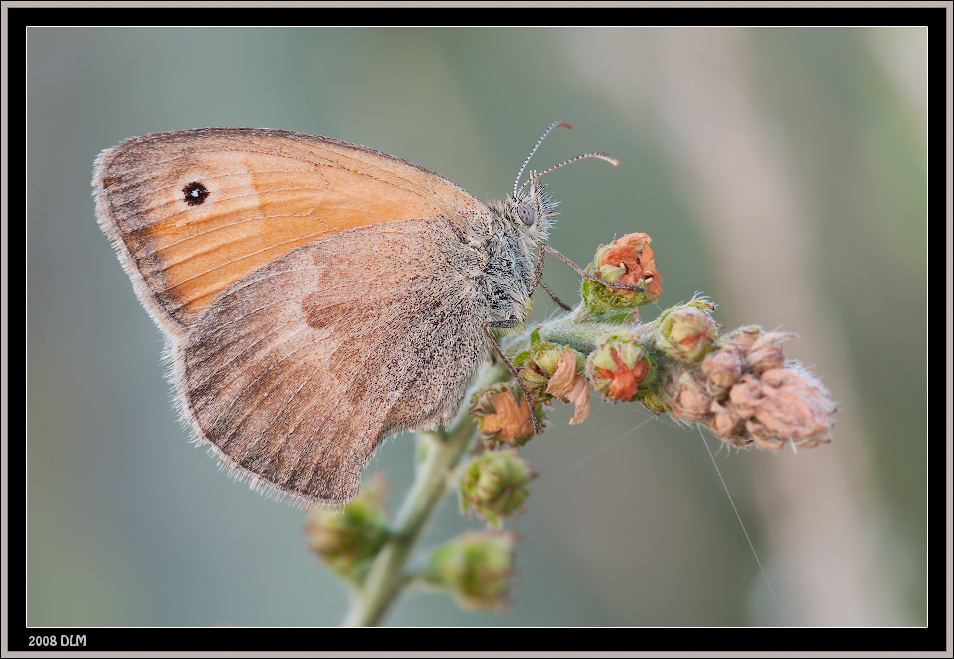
[
  {"x": 565, "y": 124},
  {"x": 596, "y": 154}
]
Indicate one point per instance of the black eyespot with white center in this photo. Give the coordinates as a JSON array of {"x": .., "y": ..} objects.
[
  {"x": 195, "y": 193},
  {"x": 525, "y": 212}
]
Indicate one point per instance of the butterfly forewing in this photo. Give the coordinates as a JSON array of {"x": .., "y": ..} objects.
[{"x": 192, "y": 212}]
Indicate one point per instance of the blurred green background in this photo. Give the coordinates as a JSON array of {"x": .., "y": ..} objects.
[{"x": 780, "y": 171}]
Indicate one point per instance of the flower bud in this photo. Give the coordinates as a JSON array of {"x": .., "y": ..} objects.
[
  {"x": 728, "y": 426},
  {"x": 539, "y": 364},
  {"x": 691, "y": 400},
  {"x": 687, "y": 332},
  {"x": 503, "y": 416},
  {"x": 654, "y": 402},
  {"x": 627, "y": 260},
  {"x": 476, "y": 567},
  {"x": 742, "y": 338},
  {"x": 766, "y": 352},
  {"x": 722, "y": 369},
  {"x": 619, "y": 369},
  {"x": 495, "y": 485}
]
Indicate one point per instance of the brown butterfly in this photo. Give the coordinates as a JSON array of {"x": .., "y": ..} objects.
[{"x": 316, "y": 295}]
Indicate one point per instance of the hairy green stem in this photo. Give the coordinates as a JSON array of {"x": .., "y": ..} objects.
[{"x": 574, "y": 329}]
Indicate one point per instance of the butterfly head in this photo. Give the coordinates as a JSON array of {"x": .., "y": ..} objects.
[{"x": 530, "y": 212}]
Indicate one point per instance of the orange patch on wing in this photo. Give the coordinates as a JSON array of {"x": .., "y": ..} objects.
[{"x": 266, "y": 197}]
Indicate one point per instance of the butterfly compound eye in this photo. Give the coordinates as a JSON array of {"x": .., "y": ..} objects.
[{"x": 525, "y": 213}]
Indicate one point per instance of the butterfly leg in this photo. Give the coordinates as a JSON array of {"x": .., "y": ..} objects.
[
  {"x": 503, "y": 324},
  {"x": 553, "y": 295}
]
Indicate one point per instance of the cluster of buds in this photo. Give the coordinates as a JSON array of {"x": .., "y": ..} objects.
[
  {"x": 739, "y": 384},
  {"x": 476, "y": 567},
  {"x": 641, "y": 362},
  {"x": 746, "y": 392},
  {"x": 759, "y": 396}
]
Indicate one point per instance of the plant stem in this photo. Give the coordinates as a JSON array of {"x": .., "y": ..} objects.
[{"x": 443, "y": 451}]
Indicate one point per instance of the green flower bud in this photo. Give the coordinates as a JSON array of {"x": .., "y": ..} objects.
[
  {"x": 476, "y": 567},
  {"x": 687, "y": 332},
  {"x": 495, "y": 485}
]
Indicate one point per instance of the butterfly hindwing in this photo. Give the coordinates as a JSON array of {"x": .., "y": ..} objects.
[{"x": 298, "y": 371}]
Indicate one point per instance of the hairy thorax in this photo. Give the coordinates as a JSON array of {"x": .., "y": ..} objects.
[{"x": 502, "y": 263}]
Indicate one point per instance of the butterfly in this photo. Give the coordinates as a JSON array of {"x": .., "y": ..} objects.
[{"x": 316, "y": 296}]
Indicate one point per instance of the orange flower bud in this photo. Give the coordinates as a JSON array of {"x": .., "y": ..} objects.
[
  {"x": 618, "y": 368},
  {"x": 629, "y": 260},
  {"x": 503, "y": 416}
]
